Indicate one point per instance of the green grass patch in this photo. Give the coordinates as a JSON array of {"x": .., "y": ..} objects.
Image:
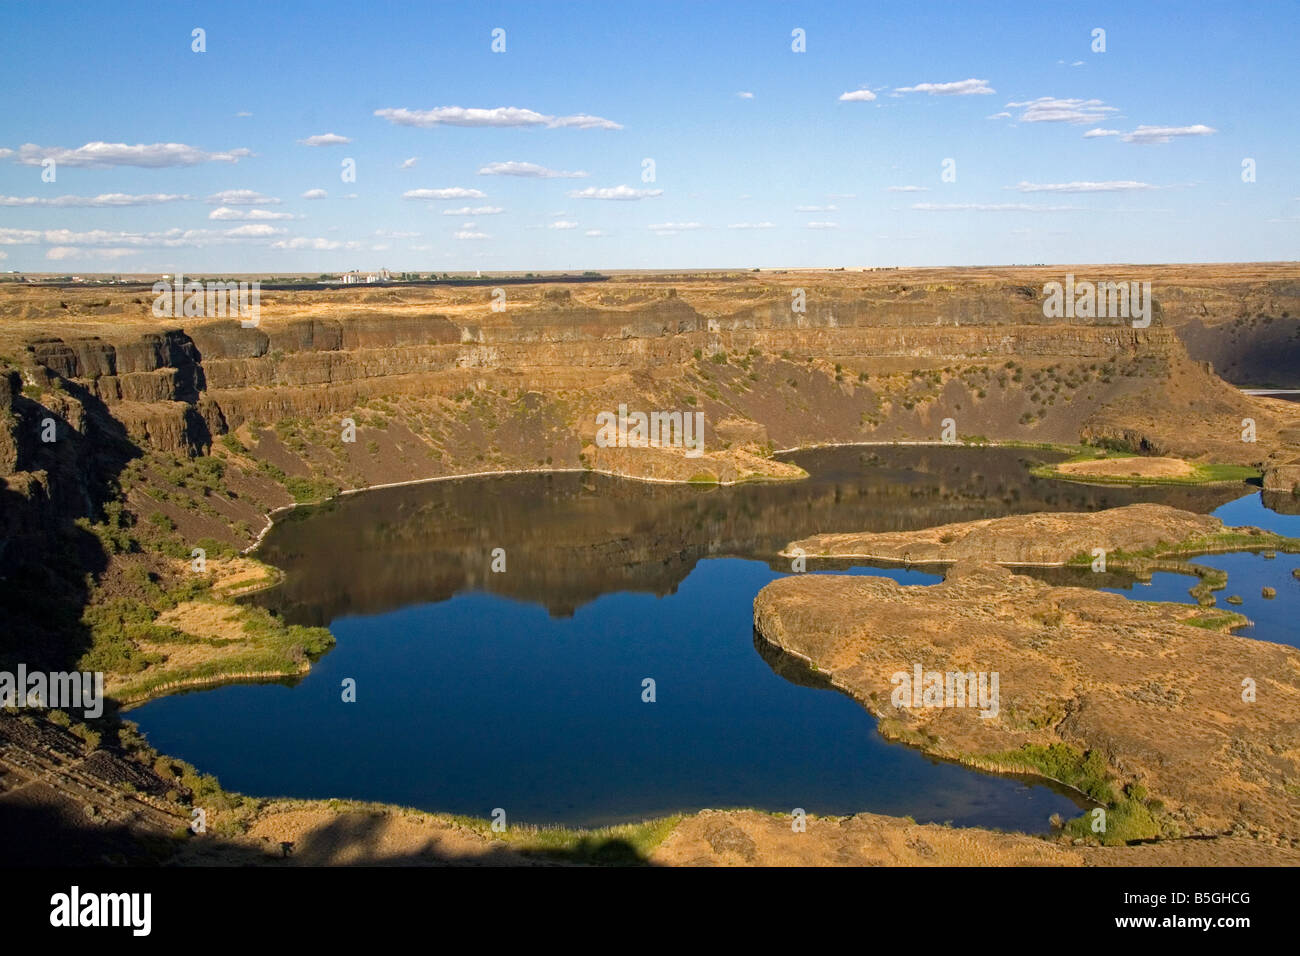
[
  {"x": 1202, "y": 474},
  {"x": 1129, "y": 816}
]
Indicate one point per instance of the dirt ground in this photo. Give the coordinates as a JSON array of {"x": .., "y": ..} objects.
[{"x": 1128, "y": 468}]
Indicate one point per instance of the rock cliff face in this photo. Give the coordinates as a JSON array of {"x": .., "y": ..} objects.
[{"x": 437, "y": 383}]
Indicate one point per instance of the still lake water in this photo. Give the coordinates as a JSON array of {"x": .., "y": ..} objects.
[{"x": 522, "y": 689}]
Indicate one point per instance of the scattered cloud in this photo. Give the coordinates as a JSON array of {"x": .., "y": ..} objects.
[
  {"x": 325, "y": 139},
  {"x": 957, "y": 88},
  {"x": 815, "y": 209},
  {"x": 241, "y": 197},
  {"x": 474, "y": 211},
  {"x": 745, "y": 95},
  {"x": 563, "y": 224},
  {"x": 1110, "y": 186},
  {"x": 501, "y": 116},
  {"x": 1003, "y": 115},
  {"x": 254, "y": 231},
  {"x": 104, "y": 199},
  {"x": 595, "y": 233},
  {"x": 751, "y": 225},
  {"x": 909, "y": 189},
  {"x": 170, "y": 238},
  {"x": 315, "y": 244},
  {"x": 408, "y": 163},
  {"x": 248, "y": 215},
  {"x": 1093, "y": 133},
  {"x": 72, "y": 252},
  {"x": 451, "y": 192},
  {"x": 822, "y": 225},
  {"x": 528, "y": 170},
  {"x": 1146, "y": 135},
  {"x": 857, "y": 96},
  {"x": 673, "y": 228},
  {"x": 614, "y": 192},
  {"x": 243, "y": 113},
  {"x": 1049, "y": 109},
  {"x": 467, "y": 234},
  {"x": 315, "y": 194},
  {"x": 989, "y": 207},
  {"x": 150, "y": 156}
]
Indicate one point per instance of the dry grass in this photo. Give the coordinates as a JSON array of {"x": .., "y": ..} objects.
[{"x": 1128, "y": 468}]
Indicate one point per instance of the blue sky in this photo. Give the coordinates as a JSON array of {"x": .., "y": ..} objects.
[{"x": 789, "y": 175}]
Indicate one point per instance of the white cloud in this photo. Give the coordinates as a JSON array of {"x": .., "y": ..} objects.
[
  {"x": 315, "y": 194},
  {"x": 1109, "y": 186},
  {"x": 72, "y": 252},
  {"x": 822, "y": 225},
  {"x": 19, "y": 237},
  {"x": 499, "y": 116},
  {"x": 614, "y": 192},
  {"x": 241, "y": 197},
  {"x": 1147, "y": 135},
  {"x": 451, "y": 192},
  {"x": 594, "y": 233},
  {"x": 474, "y": 211},
  {"x": 408, "y": 163},
  {"x": 243, "y": 113},
  {"x": 168, "y": 239},
  {"x": 909, "y": 189},
  {"x": 957, "y": 88},
  {"x": 751, "y": 225},
  {"x": 248, "y": 215},
  {"x": 857, "y": 96},
  {"x": 466, "y": 234},
  {"x": 325, "y": 139},
  {"x": 745, "y": 95},
  {"x": 1003, "y": 115},
  {"x": 315, "y": 244},
  {"x": 673, "y": 228},
  {"x": 104, "y": 199},
  {"x": 529, "y": 170},
  {"x": 1077, "y": 63},
  {"x": 563, "y": 224},
  {"x": 151, "y": 156},
  {"x": 1093, "y": 133},
  {"x": 815, "y": 209},
  {"x": 1049, "y": 109},
  {"x": 989, "y": 207},
  {"x": 388, "y": 234},
  {"x": 254, "y": 231}
]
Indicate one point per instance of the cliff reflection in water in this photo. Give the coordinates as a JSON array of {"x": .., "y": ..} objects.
[{"x": 569, "y": 538}]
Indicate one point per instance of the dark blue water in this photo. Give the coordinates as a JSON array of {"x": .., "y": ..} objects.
[
  {"x": 480, "y": 702},
  {"x": 1273, "y": 619},
  {"x": 523, "y": 690}
]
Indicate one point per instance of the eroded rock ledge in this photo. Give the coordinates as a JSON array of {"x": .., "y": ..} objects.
[
  {"x": 1159, "y": 699},
  {"x": 1045, "y": 539}
]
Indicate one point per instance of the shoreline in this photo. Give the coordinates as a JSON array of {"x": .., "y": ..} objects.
[
  {"x": 284, "y": 509},
  {"x": 794, "y": 449}
]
